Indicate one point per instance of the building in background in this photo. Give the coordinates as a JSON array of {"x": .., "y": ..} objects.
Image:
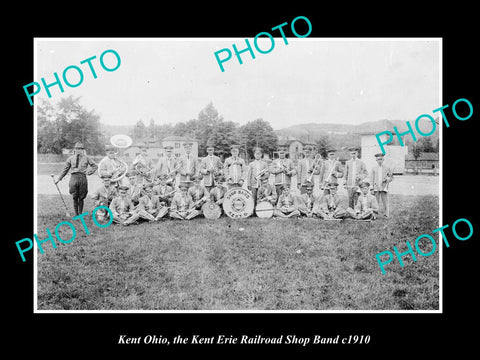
[{"x": 427, "y": 162}]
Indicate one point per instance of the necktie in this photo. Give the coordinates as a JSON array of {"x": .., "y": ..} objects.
[{"x": 76, "y": 160}]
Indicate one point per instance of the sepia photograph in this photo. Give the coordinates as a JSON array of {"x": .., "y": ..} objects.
[{"x": 169, "y": 178}]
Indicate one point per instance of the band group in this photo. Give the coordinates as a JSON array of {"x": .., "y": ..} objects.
[{"x": 149, "y": 191}]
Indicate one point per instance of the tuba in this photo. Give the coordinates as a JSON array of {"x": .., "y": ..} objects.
[{"x": 120, "y": 141}]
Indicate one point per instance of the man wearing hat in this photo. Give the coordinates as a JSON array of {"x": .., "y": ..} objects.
[
  {"x": 122, "y": 208},
  {"x": 330, "y": 172},
  {"x": 110, "y": 164},
  {"x": 163, "y": 191},
  {"x": 307, "y": 202},
  {"x": 380, "y": 178},
  {"x": 286, "y": 204},
  {"x": 104, "y": 195},
  {"x": 209, "y": 167},
  {"x": 266, "y": 192},
  {"x": 187, "y": 164},
  {"x": 306, "y": 167},
  {"x": 332, "y": 206},
  {"x": 198, "y": 192},
  {"x": 366, "y": 206},
  {"x": 182, "y": 205},
  {"x": 255, "y": 170},
  {"x": 234, "y": 169},
  {"x": 283, "y": 170},
  {"x": 355, "y": 172},
  {"x": 80, "y": 165},
  {"x": 149, "y": 207},
  {"x": 168, "y": 166},
  {"x": 217, "y": 194},
  {"x": 142, "y": 164}
]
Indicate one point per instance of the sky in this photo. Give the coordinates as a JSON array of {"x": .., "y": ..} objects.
[{"x": 310, "y": 80}]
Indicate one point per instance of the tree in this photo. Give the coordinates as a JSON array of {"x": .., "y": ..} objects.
[
  {"x": 258, "y": 133},
  {"x": 61, "y": 126},
  {"x": 222, "y": 137},
  {"x": 139, "y": 130},
  {"x": 208, "y": 120},
  {"x": 323, "y": 144}
]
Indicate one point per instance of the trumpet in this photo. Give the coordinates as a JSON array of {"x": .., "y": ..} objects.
[
  {"x": 259, "y": 175},
  {"x": 317, "y": 162}
]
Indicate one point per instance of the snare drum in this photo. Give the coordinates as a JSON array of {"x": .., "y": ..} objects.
[{"x": 264, "y": 209}]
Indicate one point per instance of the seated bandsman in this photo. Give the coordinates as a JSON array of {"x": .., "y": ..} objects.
[
  {"x": 217, "y": 194},
  {"x": 122, "y": 208},
  {"x": 308, "y": 204},
  {"x": 163, "y": 191},
  {"x": 266, "y": 192},
  {"x": 182, "y": 205},
  {"x": 332, "y": 205},
  {"x": 198, "y": 192},
  {"x": 366, "y": 206},
  {"x": 135, "y": 187},
  {"x": 286, "y": 204},
  {"x": 104, "y": 196},
  {"x": 150, "y": 208}
]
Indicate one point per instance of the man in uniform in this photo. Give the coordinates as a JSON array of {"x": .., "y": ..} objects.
[
  {"x": 234, "y": 169},
  {"x": 134, "y": 187},
  {"x": 366, "y": 206},
  {"x": 182, "y": 205},
  {"x": 143, "y": 165},
  {"x": 210, "y": 166},
  {"x": 187, "y": 164},
  {"x": 266, "y": 192},
  {"x": 332, "y": 206},
  {"x": 308, "y": 203},
  {"x": 283, "y": 170},
  {"x": 150, "y": 208},
  {"x": 217, "y": 194},
  {"x": 330, "y": 172},
  {"x": 80, "y": 165},
  {"x": 355, "y": 172},
  {"x": 111, "y": 165},
  {"x": 306, "y": 167},
  {"x": 122, "y": 208},
  {"x": 198, "y": 192},
  {"x": 168, "y": 166},
  {"x": 255, "y": 170},
  {"x": 381, "y": 177},
  {"x": 286, "y": 204},
  {"x": 104, "y": 195},
  {"x": 163, "y": 191}
]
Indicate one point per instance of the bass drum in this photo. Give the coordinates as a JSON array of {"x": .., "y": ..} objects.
[
  {"x": 264, "y": 209},
  {"x": 238, "y": 203},
  {"x": 211, "y": 210}
]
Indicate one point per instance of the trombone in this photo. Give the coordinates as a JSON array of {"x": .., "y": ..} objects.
[{"x": 317, "y": 163}]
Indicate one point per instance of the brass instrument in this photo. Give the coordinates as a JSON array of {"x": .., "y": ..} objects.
[
  {"x": 120, "y": 172},
  {"x": 317, "y": 162},
  {"x": 259, "y": 175},
  {"x": 330, "y": 171}
]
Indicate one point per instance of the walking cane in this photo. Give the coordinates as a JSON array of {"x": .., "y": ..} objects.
[{"x": 66, "y": 207}]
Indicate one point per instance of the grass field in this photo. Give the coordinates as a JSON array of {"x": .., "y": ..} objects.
[{"x": 213, "y": 265}]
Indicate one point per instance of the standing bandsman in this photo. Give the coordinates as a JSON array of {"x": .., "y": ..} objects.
[
  {"x": 122, "y": 208},
  {"x": 255, "y": 170},
  {"x": 331, "y": 171},
  {"x": 234, "y": 169},
  {"x": 143, "y": 165},
  {"x": 308, "y": 203},
  {"x": 306, "y": 167},
  {"x": 198, "y": 192},
  {"x": 355, "y": 172},
  {"x": 80, "y": 165},
  {"x": 168, "y": 166},
  {"x": 266, "y": 192},
  {"x": 366, "y": 206},
  {"x": 283, "y": 170},
  {"x": 111, "y": 165},
  {"x": 182, "y": 205},
  {"x": 187, "y": 164},
  {"x": 381, "y": 177},
  {"x": 286, "y": 204},
  {"x": 210, "y": 166},
  {"x": 332, "y": 205}
]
